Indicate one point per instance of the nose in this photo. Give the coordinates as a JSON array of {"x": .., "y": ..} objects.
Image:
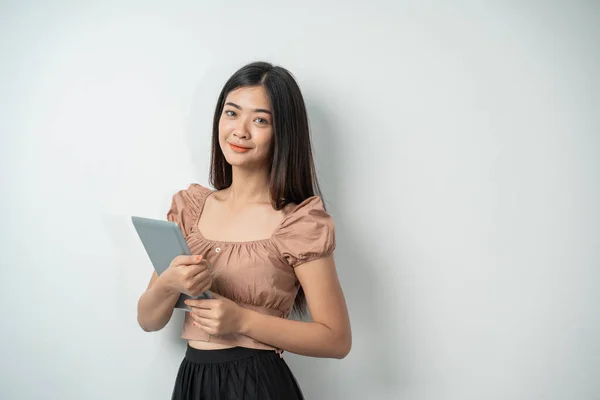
[{"x": 240, "y": 131}]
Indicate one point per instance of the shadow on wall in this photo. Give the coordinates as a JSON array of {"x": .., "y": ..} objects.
[
  {"x": 373, "y": 364},
  {"x": 202, "y": 110}
]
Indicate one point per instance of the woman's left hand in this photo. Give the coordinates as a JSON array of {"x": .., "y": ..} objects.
[{"x": 216, "y": 316}]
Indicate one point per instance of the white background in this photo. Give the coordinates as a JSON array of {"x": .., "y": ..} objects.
[{"x": 457, "y": 145}]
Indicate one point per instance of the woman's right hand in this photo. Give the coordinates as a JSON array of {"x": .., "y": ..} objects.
[{"x": 189, "y": 275}]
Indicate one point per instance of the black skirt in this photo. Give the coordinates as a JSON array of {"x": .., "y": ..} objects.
[{"x": 237, "y": 373}]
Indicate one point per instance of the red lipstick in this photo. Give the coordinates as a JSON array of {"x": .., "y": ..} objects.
[{"x": 238, "y": 149}]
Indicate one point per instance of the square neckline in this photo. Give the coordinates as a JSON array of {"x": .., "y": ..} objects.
[{"x": 196, "y": 228}]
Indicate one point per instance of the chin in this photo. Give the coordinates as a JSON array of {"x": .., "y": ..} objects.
[
  {"x": 242, "y": 161},
  {"x": 238, "y": 160}
]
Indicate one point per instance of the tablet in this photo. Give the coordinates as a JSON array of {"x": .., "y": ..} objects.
[{"x": 163, "y": 242}]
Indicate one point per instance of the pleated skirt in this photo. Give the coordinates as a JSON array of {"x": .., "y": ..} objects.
[{"x": 237, "y": 373}]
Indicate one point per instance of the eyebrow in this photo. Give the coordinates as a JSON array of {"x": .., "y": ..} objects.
[{"x": 256, "y": 110}]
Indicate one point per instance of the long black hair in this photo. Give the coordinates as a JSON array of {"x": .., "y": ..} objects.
[{"x": 293, "y": 177}]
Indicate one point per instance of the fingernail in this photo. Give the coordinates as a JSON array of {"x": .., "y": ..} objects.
[{"x": 198, "y": 258}]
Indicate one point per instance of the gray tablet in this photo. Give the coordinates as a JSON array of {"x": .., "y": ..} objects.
[{"x": 163, "y": 242}]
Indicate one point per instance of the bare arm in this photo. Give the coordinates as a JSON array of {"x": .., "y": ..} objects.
[
  {"x": 155, "y": 306},
  {"x": 328, "y": 335},
  {"x": 186, "y": 274}
]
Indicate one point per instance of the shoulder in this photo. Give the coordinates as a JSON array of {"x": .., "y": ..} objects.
[
  {"x": 311, "y": 209},
  {"x": 194, "y": 190},
  {"x": 307, "y": 232},
  {"x": 186, "y": 204}
]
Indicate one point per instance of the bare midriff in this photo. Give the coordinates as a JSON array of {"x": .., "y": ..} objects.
[{"x": 201, "y": 345}]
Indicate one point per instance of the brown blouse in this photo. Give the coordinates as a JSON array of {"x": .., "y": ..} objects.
[{"x": 257, "y": 274}]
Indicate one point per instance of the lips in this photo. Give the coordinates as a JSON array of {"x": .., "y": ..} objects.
[{"x": 238, "y": 149}]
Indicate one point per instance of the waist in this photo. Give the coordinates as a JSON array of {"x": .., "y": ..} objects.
[
  {"x": 224, "y": 355},
  {"x": 197, "y": 335},
  {"x": 204, "y": 345}
]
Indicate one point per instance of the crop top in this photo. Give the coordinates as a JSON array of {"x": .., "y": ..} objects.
[{"x": 257, "y": 274}]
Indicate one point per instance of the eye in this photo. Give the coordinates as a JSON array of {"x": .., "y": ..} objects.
[
  {"x": 261, "y": 120},
  {"x": 230, "y": 113}
]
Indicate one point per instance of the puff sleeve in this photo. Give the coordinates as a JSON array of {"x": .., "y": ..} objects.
[
  {"x": 185, "y": 206},
  {"x": 306, "y": 234}
]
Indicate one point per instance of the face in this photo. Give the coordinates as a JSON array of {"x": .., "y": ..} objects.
[{"x": 246, "y": 127}]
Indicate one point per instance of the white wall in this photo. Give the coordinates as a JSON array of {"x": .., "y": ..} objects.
[{"x": 458, "y": 149}]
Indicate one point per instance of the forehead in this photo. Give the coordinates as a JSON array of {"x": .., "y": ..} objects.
[{"x": 249, "y": 97}]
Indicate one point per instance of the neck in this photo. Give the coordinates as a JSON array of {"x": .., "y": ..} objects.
[{"x": 249, "y": 186}]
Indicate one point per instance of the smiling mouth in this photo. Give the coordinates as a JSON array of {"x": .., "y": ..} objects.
[{"x": 238, "y": 149}]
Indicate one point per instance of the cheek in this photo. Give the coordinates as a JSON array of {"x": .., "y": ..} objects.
[
  {"x": 266, "y": 141},
  {"x": 223, "y": 129}
]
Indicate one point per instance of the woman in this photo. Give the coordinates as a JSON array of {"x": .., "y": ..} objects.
[{"x": 262, "y": 243}]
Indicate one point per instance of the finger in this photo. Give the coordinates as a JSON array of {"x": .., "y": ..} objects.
[
  {"x": 197, "y": 291},
  {"x": 206, "y": 328},
  {"x": 198, "y": 285},
  {"x": 200, "y": 289},
  {"x": 201, "y": 281},
  {"x": 193, "y": 279},
  {"x": 192, "y": 270},
  {"x": 202, "y": 274},
  {"x": 214, "y": 295},
  {"x": 205, "y": 322},
  {"x": 200, "y": 303},
  {"x": 202, "y": 313},
  {"x": 188, "y": 260}
]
